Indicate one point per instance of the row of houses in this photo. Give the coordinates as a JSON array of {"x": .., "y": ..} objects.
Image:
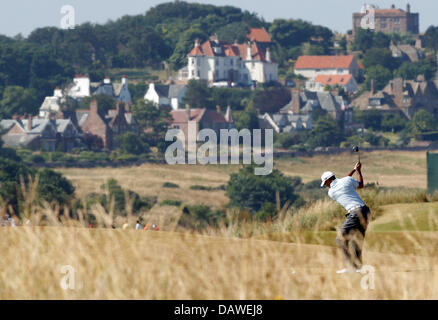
[{"x": 83, "y": 127}]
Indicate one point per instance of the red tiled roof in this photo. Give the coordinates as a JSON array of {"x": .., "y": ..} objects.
[
  {"x": 179, "y": 116},
  {"x": 331, "y": 80},
  {"x": 324, "y": 62},
  {"x": 231, "y": 50},
  {"x": 388, "y": 11},
  {"x": 204, "y": 49},
  {"x": 259, "y": 34}
]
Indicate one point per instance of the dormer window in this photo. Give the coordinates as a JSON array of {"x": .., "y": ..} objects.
[{"x": 375, "y": 102}]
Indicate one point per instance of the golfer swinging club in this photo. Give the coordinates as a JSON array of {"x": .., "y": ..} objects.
[{"x": 353, "y": 230}]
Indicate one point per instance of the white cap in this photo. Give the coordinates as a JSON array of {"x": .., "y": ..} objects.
[{"x": 325, "y": 176}]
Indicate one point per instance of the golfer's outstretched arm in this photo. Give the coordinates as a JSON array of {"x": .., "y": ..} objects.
[{"x": 359, "y": 174}]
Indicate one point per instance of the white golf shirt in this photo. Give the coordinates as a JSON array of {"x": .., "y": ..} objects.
[{"x": 343, "y": 191}]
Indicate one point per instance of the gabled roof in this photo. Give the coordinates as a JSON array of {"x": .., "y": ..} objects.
[
  {"x": 198, "y": 115},
  {"x": 259, "y": 35},
  {"x": 229, "y": 50},
  {"x": 333, "y": 80},
  {"x": 324, "y": 62}
]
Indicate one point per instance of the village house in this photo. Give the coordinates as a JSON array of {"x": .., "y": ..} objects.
[
  {"x": 388, "y": 20},
  {"x": 40, "y": 134},
  {"x": 405, "y": 97},
  {"x": 283, "y": 122},
  {"x": 203, "y": 118},
  {"x": 248, "y": 63},
  {"x": 166, "y": 95},
  {"x": 406, "y": 52},
  {"x": 308, "y": 102},
  {"x": 312, "y": 66},
  {"x": 101, "y": 130},
  {"x": 322, "y": 82},
  {"x": 80, "y": 88}
]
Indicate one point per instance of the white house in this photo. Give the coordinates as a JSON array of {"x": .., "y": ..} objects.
[
  {"x": 215, "y": 61},
  {"x": 81, "y": 88},
  {"x": 166, "y": 95},
  {"x": 320, "y": 82},
  {"x": 311, "y": 66}
]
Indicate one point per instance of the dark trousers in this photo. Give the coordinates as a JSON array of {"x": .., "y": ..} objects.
[{"x": 352, "y": 235}]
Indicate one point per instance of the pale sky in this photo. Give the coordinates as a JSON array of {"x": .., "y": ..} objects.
[{"x": 23, "y": 16}]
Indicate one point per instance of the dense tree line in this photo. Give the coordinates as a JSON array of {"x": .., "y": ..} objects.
[{"x": 50, "y": 56}]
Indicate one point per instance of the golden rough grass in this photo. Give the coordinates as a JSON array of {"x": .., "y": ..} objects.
[{"x": 128, "y": 264}]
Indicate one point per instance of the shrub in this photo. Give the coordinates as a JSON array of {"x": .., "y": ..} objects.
[
  {"x": 170, "y": 185},
  {"x": 173, "y": 203},
  {"x": 198, "y": 217}
]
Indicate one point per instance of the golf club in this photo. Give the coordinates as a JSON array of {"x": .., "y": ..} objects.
[{"x": 356, "y": 149}]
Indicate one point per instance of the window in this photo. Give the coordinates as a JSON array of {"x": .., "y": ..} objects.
[
  {"x": 231, "y": 62},
  {"x": 193, "y": 73},
  {"x": 199, "y": 62},
  {"x": 396, "y": 20},
  {"x": 199, "y": 73},
  {"x": 192, "y": 61},
  {"x": 383, "y": 25}
]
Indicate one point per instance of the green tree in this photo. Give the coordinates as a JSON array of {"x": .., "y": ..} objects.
[
  {"x": 411, "y": 70},
  {"x": 371, "y": 119},
  {"x": 431, "y": 40},
  {"x": 18, "y": 100},
  {"x": 53, "y": 186},
  {"x": 153, "y": 123},
  {"x": 250, "y": 191},
  {"x": 248, "y": 119},
  {"x": 423, "y": 122},
  {"x": 379, "y": 57},
  {"x": 393, "y": 122},
  {"x": 197, "y": 95},
  {"x": 326, "y": 132},
  {"x": 104, "y": 102},
  {"x": 131, "y": 143},
  {"x": 380, "y": 75}
]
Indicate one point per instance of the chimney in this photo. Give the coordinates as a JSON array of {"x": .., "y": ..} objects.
[
  {"x": 218, "y": 108},
  {"x": 268, "y": 55},
  {"x": 15, "y": 117},
  {"x": 393, "y": 6},
  {"x": 296, "y": 105},
  {"x": 119, "y": 108},
  {"x": 249, "y": 52},
  {"x": 107, "y": 80},
  {"x": 29, "y": 122},
  {"x": 93, "y": 106},
  {"x": 229, "y": 115},
  {"x": 197, "y": 42},
  {"x": 373, "y": 87},
  {"x": 127, "y": 107},
  {"x": 188, "y": 112},
  {"x": 124, "y": 79},
  {"x": 408, "y": 8}
]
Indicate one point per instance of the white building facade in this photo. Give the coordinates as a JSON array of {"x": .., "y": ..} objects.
[{"x": 214, "y": 61}]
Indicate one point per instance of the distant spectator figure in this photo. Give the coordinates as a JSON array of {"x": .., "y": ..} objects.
[
  {"x": 157, "y": 229},
  {"x": 91, "y": 226},
  {"x": 138, "y": 225},
  {"x": 146, "y": 227}
]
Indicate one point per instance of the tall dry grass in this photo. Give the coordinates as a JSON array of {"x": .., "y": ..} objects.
[{"x": 232, "y": 261}]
